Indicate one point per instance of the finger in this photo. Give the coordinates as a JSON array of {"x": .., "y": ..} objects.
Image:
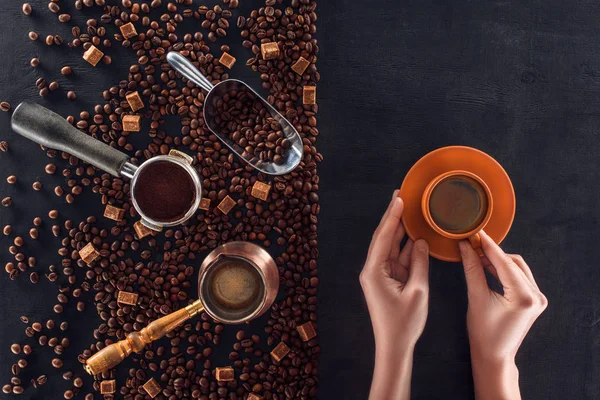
[
  {"x": 474, "y": 274},
  {"x": 489, "y": 267},
  {"x": 525, "y": 268},
  {"x": 383, "y": 239},
  {"x": 404, "y": 257},
  {"x": 398, "y": 236},
  {"x": 383, "y": 218},
  {"x": 418, "y": 274},
  {"x": 509, "y": 274}
]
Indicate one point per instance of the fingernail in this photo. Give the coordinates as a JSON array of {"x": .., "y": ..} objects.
[
  {"x": 395, "y": 194},
  {"x": 463, "y": 246},
  {"x": 422, "y": 246}
]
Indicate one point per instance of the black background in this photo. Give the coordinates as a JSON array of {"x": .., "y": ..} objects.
[{"x": 517, "y": 79}]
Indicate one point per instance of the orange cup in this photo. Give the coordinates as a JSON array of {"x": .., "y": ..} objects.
[{"x": 483, "y": 217}]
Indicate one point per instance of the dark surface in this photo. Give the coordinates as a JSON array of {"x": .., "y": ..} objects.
[{"x": 519, "y": 80}]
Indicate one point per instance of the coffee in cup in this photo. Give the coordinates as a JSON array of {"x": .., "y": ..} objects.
[{"x": 457, "y": 205}]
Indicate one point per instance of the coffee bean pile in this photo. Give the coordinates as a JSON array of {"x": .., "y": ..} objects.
[
  {"x": 242, "y": 117},
  {"x": 161, "y": 267}
]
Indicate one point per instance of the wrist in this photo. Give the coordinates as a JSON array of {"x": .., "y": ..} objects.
[
  {"x": 386, "y": 351},
  {"x": 495, "y": 379},
  {"x": 392, "y": 373}
]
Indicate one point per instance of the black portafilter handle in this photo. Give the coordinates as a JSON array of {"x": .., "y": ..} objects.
[{"x": 49, "y": 129}]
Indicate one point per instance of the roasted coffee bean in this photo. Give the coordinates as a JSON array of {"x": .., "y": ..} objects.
[
  {"x": 11, "y": 179},
  {"x": 33, "y": 35},
  {"x": 66, "y": 70},
  {"x": 37, "y": 186},
  {"x": 57, "y": 363},
  {"x": 71, "y": 95},
  {"x": 35, "y": 62},
  {"x": 5, "y": 106},
  {"x": 50, "y": 169},
  {"x": 64, "y": 17},
  {"x": 15, "y": 348},
  {"x": 53, "y": 85},
  {"x": 244, "y": 118},
  {"x": 53, "y": 7},
  {"x": 26, "y": 9},
  {"x": 3, "y": 146},
  {"x": 7, "y": 230},
  {"x": 7, "y": 201}
]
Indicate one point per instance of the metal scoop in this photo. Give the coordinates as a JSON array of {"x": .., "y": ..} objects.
[
  {"x": 49, "y": 129},
  {"x": 292, "y": 156}
]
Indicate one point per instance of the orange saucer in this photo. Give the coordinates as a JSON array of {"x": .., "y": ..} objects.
[{"x": 456, "y": 158}]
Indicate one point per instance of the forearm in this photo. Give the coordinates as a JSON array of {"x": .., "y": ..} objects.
[
  {"x": 392, "y": 375},
  {"x": 496, "y": 380}
]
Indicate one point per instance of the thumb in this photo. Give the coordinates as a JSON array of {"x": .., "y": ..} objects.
[
  {"x": 474, "y": 273},
  {"x": 419, "y": 265}
]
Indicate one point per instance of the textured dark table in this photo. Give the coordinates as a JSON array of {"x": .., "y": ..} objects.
[{"x": 519, "y": 80}]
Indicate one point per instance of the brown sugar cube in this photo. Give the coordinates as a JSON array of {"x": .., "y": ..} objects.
[
  {"x": 141, "y": 230},
  {"x": 127, "y": 298},
  {"x": 226, "y": 205},
  {"x": 135, "y": 101},
  {"x": 108, "y": 387},
  {"x": 300, "y": 65},
  {"x": 114, "y": 213},
  {"x": 204, "y": 203},
  {"x": 152, "y": 388},
  {"x": 93, "y": 55},
  {"x": 260, "y": 190},
  {"x": 269, "y": 51},
  {"x": 307, "y": 331},
  {"x": 309, "y": 95},
  {"x": 253, "y": 396},
  {"x": 280, "y": 351},
  {"x": 227, "y": 60},
  {"x": 132, "y": 123},
  {"x": 225, "y": 374},
  {"x": 88, "y": 253},
  {"x": 128, "y": 30}
]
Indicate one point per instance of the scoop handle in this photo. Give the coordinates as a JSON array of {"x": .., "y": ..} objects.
[
  {"x": 49, "y": 129},
  {"x": 187, "y": 69}
]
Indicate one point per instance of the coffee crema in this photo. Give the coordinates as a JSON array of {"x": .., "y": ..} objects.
[
  {"x": 458, "y": 204},
  {"x": 235, "y": 285},
  {"x": 232, "y": 289},
  {"x": 164, "y": 191}
]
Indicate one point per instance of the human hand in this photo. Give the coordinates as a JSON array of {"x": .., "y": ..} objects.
[
  {"x": 497, "y": 323},
  {"x": 396, "y": 282},
  {"x": 396, "y": 286}
]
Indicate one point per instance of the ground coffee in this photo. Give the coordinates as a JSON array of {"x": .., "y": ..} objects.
[{"x": 164, "y": 191}]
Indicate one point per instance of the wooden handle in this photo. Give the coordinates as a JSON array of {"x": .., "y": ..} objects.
[{"x": 111, "y": 356}]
